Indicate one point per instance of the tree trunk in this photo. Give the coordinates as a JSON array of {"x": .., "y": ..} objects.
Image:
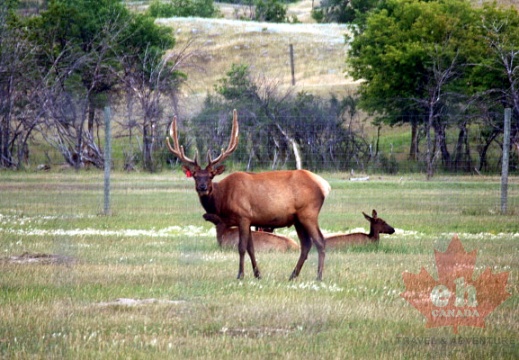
[
  {"x": 413, "y": 151},
  {"x": 91, "y": 117},
  {"x": 462, "y": 151},
  {"x": 484, "y": 150}
]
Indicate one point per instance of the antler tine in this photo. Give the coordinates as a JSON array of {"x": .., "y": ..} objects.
[
  {"x": 233, "y": 142},
  {"x": 177, "y": 150}
]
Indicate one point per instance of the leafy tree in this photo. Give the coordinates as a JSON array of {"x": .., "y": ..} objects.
[
  {"x": 413, "y": 56},
  {"x": 87, "y": 47},
  {"x": 495, "y": 79}
]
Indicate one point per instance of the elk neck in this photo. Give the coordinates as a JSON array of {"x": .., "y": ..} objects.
[
  {"x": 208, "y": 200},
  {"x": 373, "y": 235}
]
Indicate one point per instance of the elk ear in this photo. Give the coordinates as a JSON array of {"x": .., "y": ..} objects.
[
  {"x": 367, "y": 216},
  {"x": 218, "y": 170},
  {"x": 374, "y": 214},
  {"x": 187, "y": 171}
]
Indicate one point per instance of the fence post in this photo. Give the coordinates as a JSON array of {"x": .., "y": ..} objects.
[
  {"x": 292, "y": 66},
  {"x": 108, "y": 159},
  {"x": 505, "y": 161}
]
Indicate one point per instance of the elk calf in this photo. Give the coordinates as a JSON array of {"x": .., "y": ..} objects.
[
  {"x": 377, "y": 226},
  {"x": 270, "y": 199},
  {"x": 263, "y": 241}
]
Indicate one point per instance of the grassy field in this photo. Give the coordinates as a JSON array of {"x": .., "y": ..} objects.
[{"x": 150, "y": 282}]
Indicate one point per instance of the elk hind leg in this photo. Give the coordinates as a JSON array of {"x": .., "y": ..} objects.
[
  {"x": 306, "y": 245},
  {"x": 320, "y": 244}
]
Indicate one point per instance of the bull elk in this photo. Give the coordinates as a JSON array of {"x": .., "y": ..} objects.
[
  {"x": 263, "y": 241},
  {"x": 377, "y": 226},
  {"x": 269, "y": 199}
]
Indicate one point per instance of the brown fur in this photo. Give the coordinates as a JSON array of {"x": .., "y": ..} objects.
[
  {"x": 263, "y": 241},
  {"x": 377, "y": 226}
]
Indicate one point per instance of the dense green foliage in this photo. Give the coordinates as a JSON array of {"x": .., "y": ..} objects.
[
  {"x": 78, "y": 55},
  {"x": 270, "y": 10},
  {"x": 423, "y": 61},
  {"x": 181, "y": 8}
]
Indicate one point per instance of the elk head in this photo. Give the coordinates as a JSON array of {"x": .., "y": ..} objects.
[
  {"x": 203, "y": 177},
  {"x": 378, "y": 225}
]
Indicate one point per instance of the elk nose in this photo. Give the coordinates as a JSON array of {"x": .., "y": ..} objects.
[{"x": 202, "y": 187}]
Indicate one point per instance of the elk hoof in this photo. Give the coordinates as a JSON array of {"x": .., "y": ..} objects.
[
  {"x": 293, "y": 276},
  {"x": 257, "y": 274},
  {"x": 240, "y": 276}
]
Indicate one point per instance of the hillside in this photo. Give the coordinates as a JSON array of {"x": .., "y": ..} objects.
[{"x": 215, "y": 44}]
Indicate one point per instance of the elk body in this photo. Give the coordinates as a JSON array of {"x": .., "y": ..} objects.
[
  {"x": 269, "y": 199},
  {"x": 263, "y": 241},
  {"x": 377, "y": 226}
]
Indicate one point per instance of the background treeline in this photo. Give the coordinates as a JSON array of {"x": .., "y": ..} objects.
[{"x": 445, "y": 69}]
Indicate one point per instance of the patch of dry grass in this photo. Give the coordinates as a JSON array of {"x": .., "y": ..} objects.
[{"x": 319, "y": 54}]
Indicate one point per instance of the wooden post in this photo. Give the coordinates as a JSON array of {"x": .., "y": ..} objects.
[
  {"x": 292, "y": 68},
  {"x": 107, "y": 159},
  {"x": 505, "y": 161}
]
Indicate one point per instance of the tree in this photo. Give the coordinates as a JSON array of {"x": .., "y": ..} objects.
[
  {"x": 412, "y": 56},
  {"x": 281, "y": 129},
  {"x": 496, "y": 76},
  {"x": 75, "y": 43},
  {"x": 86, "y": 50},
  {"x": 270, "y": 10},
  {"x": 149, "y": 76},
  {"x": 18, "y": 89}
]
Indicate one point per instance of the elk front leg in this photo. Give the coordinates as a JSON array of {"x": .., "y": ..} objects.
[
  {"x": 250, "y": 250},
  {"x": 245, "y": 245}
]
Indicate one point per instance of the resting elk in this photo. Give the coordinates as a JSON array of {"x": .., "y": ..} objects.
[
  {"x": 377, "y": 226},
  {"x": 263, "y": 241},
  {"x": 269, "y": 199}
]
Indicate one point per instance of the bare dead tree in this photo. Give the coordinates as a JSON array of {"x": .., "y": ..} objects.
[
  {"x": 149, "y": 86},
  {"x": 443, "y": 69},
  {"x": 18, "y": 87}
]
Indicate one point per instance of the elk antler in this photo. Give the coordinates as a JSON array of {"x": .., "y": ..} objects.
[
  {"x": 233, "y": 142},
  {"x": 177, "y": 150}
]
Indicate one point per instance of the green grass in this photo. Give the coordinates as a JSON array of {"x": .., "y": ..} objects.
[{"x": 156, "y": 245}]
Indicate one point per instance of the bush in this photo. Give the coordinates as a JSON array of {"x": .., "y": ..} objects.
[
  {"x": 182, "y": 8},
  {"x": 271, "y": 11}
]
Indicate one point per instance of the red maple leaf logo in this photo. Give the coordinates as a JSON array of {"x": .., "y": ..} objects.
[{"x": 455, "y": 299}]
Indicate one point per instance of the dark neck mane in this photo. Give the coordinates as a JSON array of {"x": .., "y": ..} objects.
[
  {"x": 208, "y": 202},
  {"x": 372, "y": 234}
]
